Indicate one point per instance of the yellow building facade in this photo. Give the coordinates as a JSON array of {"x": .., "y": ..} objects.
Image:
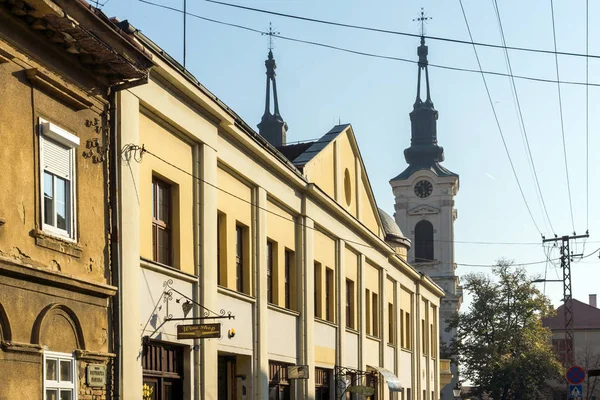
[{"x": 282, "y": 246}]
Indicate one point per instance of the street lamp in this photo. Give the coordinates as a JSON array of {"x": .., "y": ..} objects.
[
  {"x": 545, "y": 280},
  {"x": 457, "y": 390}
]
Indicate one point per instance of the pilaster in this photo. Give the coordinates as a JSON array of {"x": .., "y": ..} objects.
[
  {"x": 261, "y": 352},
  {"x": 128, "y": 132},
  {"x": 307, "y": 316},
  {"x": 341, "y": 304}
]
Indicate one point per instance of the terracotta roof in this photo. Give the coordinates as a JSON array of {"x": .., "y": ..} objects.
[{"x": 584, "y": 317}]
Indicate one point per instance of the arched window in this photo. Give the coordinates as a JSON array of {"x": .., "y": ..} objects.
[{"x": 424, "y": 241}]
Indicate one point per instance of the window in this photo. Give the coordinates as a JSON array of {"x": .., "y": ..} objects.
[
  {"x": 375, "y": 306},
  {"x": 288, "y": 276},
  {"x": 432, "y": 340},
  {"x": 317, "y": 290},
  {"x": 270, "y": 272},
  {"x": 424, "y": 394},
  {"x": 402, "y": 333},
  {"x": 221, "y": 249},
  {"x": 368, "y": 311},
  {"x": 161, "y": 221},
  {"x": 239, "y": 258},
  {"x": 424, "y": 241},
  {"x": 57, "y": 180},
  {"x": 349, "y": 304},
  {"x": 329, "y": 298},
  {"x": 408, "y": 328},
  {"x": 59, "y": 376},
  {"x": 391, "y": 324},
  {"x": 424, "y": 337},
  {"x": 408, "y": 394}
]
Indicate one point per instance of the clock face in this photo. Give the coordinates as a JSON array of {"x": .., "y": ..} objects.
[{"x": 423, "y": 188}]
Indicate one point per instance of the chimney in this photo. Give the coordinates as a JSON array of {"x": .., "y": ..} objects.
[{"x": 593, "y": 300}]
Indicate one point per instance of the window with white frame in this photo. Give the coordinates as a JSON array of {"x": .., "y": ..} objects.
[
  {"x": 57, "y": 179},
  {"x": 59, "y": 376}
]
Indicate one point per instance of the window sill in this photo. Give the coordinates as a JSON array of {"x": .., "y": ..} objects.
[
  {"x": 56, "y": 243},
  {"x": 235, "y": 294},
  {"x": 324, "y": 321},
  {"x": 283, "y": 310},
  {"x": 352, "y": 330},
  {"x": 404, "y": 349},
  {"x": 373, "y": 337},
  {"x": 167, "y": 270},
  {"x": 392, "y": 345}
]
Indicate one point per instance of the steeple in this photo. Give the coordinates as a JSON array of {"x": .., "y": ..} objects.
[
  {"x": 424, "y": 150},
  {"x": 272, "y": 126}
]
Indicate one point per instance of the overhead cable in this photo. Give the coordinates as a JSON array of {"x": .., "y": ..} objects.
[
  {"x": 520, "y": 114},
  {"x": 366, "y": 54},
  {"x": 562, "y": 124},
  {"x": 391, "y": 32},
  {"x": 498, "y": 122}
]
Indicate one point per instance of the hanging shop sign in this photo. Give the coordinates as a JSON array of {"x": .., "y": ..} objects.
[
  {"x": 96, "y": 375},
  {"x": 362, "y": 390},
  {"x": 199, "y": 331},
  {"x": 297, "y": 372}
]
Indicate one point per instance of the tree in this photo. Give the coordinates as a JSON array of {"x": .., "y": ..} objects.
[{"x": 501, "y": 345}]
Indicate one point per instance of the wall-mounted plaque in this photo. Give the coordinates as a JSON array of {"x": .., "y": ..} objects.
[
  {"x": 96, "y": 375},
  {"x": 199, "y": 331}
]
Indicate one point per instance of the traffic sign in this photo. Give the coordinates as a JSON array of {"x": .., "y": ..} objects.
[
  {"x": 575, "y": 391},
  {"x": 575, "y": 375}
]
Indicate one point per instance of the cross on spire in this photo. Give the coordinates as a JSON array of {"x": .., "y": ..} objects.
[
  {"x": 270, "y": 34},
  {"x": 422, "y": 20}
]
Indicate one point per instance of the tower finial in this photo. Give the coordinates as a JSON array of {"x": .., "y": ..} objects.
[
  {"x": 272, "y": 126},
  {"x": 270, "y": 33},
  {"x": 422, "y": 20}
]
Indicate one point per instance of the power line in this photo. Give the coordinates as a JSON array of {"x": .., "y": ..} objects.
[
  {"x": 562, "y": 125},
  {"x": 587, "y": 120},
  {"x": 420, "y": 260},
  {"x": 391, "y": 32},
  {"x": 371, "y": 55},
  {"x": 520, "y": 113},
  {"x": 497, "y": 121}
]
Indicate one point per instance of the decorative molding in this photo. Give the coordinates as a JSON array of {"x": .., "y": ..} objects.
[
  {"x": 59, "y": 90},
  {"x": 447, "y": 203},
  {"x": 20, "y": 270},
  {"x": 168, "y": 271},
  {"x": 65, "y": 312},
  {"x": 401, "y": 206},
  {"x": 22, "y": 347},
  {"x": 42, "y": 239},
  {"x": 423, "y": 210},
  {"x": 5, "y": 56},
  {"x": 94, "y": 356}
]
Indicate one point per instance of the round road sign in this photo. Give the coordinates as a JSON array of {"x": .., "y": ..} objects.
[{"x": 575, "y": 375}]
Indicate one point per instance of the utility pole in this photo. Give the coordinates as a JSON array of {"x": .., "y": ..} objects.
[{"x": 565, "y": 263}]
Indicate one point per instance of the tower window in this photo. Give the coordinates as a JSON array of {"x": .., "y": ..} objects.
[{"x": 424, "y": 241}]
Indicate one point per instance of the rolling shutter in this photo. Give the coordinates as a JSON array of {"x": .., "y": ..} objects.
[{"x": 56, "y": 158}]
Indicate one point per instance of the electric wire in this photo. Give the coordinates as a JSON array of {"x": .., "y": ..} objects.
[
  {"x": 562, "y": 125},
  {"x": 520, "y": 113},
  {"x": 370, "y": 55},
  {"x": 498, "y": 122},
  {"x": 391, "y": 32},
  {"x": 587, "y": 120},
  {"x": 143, "y": 150}
]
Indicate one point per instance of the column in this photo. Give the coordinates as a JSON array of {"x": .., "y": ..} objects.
[
  {"x": 208, "y": 272},
  {"x": 261, "y": 351},
  {"x": 307, "y": 317},
  {"x": 127, "y": 123},
  {"x": 362, "y": 320}
]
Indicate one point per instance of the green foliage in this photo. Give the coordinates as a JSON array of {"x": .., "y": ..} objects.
[{"x": 501, "y": 345}]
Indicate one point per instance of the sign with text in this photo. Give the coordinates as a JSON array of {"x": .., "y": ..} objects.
[
  {"x": 96, "y": 375},
  {"x": 297, "y": 372},
  {"x": 199, "y": 331}
]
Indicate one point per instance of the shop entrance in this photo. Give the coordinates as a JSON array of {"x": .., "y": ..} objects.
[{"x": 162, "y": 365}]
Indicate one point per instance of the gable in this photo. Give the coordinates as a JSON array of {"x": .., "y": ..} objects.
[
  {"x": 335, "y": 165},
  {"x": 423, "y": 210}
]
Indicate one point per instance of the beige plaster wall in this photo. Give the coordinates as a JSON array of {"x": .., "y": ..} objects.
[{"x": 157, "y": 138}]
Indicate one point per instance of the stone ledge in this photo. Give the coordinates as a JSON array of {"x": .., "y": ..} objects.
[
  {"x": 22, "y": 347},
  {"x": 42, "y": 239},
  {"x": 19, "y": 269},
  {"x": 92, "y": 356}
]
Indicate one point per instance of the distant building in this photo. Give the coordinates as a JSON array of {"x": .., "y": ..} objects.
[
  {"x": 424, "y": 194},
  {"x": 586, "y": 346}
]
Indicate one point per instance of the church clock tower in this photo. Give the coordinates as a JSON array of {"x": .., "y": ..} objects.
[{"x": 424, "y": 194}]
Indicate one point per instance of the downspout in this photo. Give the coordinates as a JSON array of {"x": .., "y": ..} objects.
[{"x": 114, "y": 157}]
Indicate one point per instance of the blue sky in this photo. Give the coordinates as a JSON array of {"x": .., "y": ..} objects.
[{"x": 317, "y": 87}]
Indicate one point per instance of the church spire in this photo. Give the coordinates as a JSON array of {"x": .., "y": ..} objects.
[
  {"x": 272, "y": 126},
  {"x": 424, "y": 150}
]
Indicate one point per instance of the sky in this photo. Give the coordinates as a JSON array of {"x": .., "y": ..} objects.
[{"x": 318, "y": 87}]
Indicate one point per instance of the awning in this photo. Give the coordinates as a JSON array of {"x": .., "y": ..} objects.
[{"x": 392, "y": 380}]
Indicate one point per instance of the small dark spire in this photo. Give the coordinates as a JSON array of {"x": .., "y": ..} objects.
[
  {"x": 424, "y": 150},
  {"x": 272, "y": 126}
]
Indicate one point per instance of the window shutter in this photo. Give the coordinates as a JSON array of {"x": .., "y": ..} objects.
[{"x": 57, "y": 158}]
